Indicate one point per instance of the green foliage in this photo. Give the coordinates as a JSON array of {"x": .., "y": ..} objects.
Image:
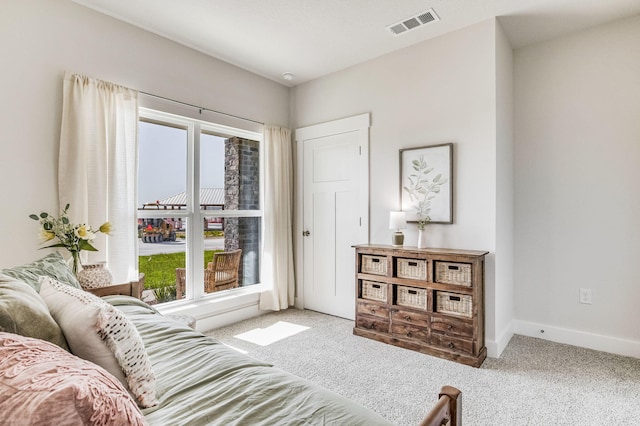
[{"x": 165, "y": 294}]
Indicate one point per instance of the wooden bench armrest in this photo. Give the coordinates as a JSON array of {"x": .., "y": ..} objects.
[{"x": 133, "y": 288}]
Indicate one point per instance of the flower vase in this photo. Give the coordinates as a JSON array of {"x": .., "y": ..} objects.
[
  {"x": 75, "y": 266},
  {"x": 422, "y": 238},
  {"x": 94, "y": 275}
]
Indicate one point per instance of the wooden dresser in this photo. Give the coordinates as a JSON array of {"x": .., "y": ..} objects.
[{"x": 426, "y": 300}]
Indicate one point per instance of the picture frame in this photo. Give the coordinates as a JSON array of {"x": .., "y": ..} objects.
[{"x": 426, "y": 183}]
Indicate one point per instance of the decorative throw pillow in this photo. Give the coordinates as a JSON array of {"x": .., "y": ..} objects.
[
  {"x": 98, "y": 332},
  {"x": 52, "y": 265},
  {"x": 42, "y": 384},
  {"x": 22, "y": 311}
]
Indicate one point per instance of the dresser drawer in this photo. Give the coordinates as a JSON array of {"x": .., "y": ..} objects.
[
  {"x": 453, "y": 273},
  {"x": 452, "y": 327},
  {"x": 372, "y": 264},
  {"x": 411, "y": 297},
  {"x": 415, "y": 269},
  {"x": 408, "y": 317},
  {"x": 374, "y": 309},
  {"x": 454, "y": 304},
  {"x": 410, "y": 332},
  {"x": 373, "y": 290},
  {"x": 452, "y": 343},
  {"x": 372, "y": 323}
]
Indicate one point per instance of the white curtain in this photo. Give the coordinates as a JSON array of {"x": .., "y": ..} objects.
[
  {"x": 97, "y": 167},
  {"x": 277, "y": 265}
]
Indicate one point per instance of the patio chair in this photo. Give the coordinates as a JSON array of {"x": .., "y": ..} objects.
[
  {"x": 181, "y": 280},
  {"x": 222, "y": 272}
]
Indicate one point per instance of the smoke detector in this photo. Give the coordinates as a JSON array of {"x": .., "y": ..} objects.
[{"x": 413, "y": 22}]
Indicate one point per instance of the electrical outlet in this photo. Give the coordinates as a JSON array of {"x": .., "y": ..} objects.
[{"x": 585, "y": 296}]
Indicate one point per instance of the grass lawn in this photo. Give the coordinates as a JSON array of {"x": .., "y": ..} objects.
[{"x": 160, "y": 272}]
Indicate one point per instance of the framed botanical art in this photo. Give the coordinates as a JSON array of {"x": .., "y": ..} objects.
[{"x": 426, "y": 183}]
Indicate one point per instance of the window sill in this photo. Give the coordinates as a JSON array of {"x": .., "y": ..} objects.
[{"x": 218, "y": 310}]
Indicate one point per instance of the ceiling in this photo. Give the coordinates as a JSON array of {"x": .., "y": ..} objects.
[{"x": 312, "y": 38}]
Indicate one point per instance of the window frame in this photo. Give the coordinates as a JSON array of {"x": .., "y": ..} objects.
[{"x": 193, "y": 214}]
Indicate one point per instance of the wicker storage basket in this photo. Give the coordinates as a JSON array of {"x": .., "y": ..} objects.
[
  {"x": 412, "y": 297},
  {"x": 374, "y": 291},
  {"x": 454, "y": 304},
  {"x": 376, "y": 265},
  {"x": 453, "y": 273},
  {"x": 416, "y": 269}
]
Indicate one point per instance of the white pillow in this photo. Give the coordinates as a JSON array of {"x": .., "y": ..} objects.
[{"x": 98, "y": 332}]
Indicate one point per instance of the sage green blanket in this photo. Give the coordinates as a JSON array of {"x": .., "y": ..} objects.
[{"x": 200, "y": 381}]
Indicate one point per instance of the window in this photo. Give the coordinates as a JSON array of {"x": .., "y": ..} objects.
[{"x": 199, "y": 193}]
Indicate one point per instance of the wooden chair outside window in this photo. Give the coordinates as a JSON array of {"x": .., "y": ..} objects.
[
  {"x": 181, "y": 282},
  {"x": 221, "y": 273}
]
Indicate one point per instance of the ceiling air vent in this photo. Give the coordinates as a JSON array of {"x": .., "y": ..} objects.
[{"x": 413, "y": 22}]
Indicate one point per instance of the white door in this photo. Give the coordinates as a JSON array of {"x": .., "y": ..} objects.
[{"x": 335, "y": 199}]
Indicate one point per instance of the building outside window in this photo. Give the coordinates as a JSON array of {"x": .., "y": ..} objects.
[{"x": 199, "y": 194}]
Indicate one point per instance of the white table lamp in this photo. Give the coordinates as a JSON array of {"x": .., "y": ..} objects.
[{"x": 397, "y": 221}]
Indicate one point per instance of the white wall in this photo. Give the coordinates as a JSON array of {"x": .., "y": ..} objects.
[
  {"x": 442, "y": 90},
  {"x": 577, "y": 204},
  {"x": 43, "y": 38}
]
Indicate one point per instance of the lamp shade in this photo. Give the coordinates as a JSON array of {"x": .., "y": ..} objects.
[{"x": 397, "y": 220}]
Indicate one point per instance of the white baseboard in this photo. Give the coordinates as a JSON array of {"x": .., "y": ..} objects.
[
  {"x": 582, "y": 339},
  {"x": 495, "y": 347}
]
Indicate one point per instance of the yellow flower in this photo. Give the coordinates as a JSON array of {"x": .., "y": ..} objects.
[
  {"x": 105, "y": 228},
  {"x": 82, "y": 231},
  {"x": 47, "y": 235}
]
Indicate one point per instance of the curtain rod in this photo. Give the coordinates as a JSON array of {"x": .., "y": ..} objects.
[{"x": 201, "y": 108}]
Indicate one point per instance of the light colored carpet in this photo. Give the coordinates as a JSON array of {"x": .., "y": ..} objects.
[{"x": 534, "y": 382}]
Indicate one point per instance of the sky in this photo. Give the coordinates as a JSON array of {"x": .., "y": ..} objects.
[{"x": 163, "y": 162}]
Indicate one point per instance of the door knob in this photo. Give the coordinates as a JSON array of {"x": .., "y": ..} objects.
[{"x": 306, "y": 233}]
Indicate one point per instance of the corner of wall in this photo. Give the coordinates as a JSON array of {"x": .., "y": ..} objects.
[{"x": 497, "y": 346}]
